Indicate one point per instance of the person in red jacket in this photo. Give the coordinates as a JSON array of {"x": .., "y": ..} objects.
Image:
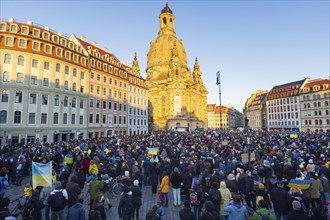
[{"x": 85, "y": 164}]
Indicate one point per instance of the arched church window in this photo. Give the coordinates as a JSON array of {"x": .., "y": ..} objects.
[{"x": 164, "y": 22}]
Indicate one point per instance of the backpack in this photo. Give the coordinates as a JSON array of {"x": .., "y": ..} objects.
[
  {"x": 194, "y": 198},
  {"x": 264, "y": 216},
  {"x": 57, "y": 201},
  {"x": 215, "y": 196}
]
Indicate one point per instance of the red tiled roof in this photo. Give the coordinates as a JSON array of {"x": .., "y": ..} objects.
[{"x": 317, "y": 83}]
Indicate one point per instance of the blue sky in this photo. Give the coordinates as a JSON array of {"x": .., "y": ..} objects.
[{"x": 255, "y": 44}]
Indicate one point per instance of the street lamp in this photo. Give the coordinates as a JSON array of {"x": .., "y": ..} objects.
[
  {"x": 248, "y": 142},
  {"x": 219, "y": 84}
]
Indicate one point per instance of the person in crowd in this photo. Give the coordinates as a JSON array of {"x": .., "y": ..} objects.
[
  {"x": 95, "y": 189},
  {"x": 235, "y": 208},
  {"x": 85, "y": 163},
  {"x": 231, "y": 183},
  {"x": 20, "y": 170},
  {"x": 4, "y": 212},
  {"x": 210, "y": 212},
  {"x": 44, "y": 194},
  {"x": 297, "y": 213},
  {"x": 225, "y": 198},
  {"x": 147, "y": 167},
  {"x": 73, "y": 190},
  {"x": 186, "y": 213},
  {"x": 136, "y": 199},
  {"x": 27, "y": 191},
  {"x": 125, "y": 207},
  {"x": 197, "y": 198},
  {"x": 57, "y": 201},
  {"x": 214, "y": 196},
  {"x": 316, "y": 189},
  {"x": 154, "y": 177},
  {"x": 77, "y": 211},
  {"x": 262, "y": 212},
  {"x": 93, "y": 168},
  {"x": 262, "y": 194},
  {"x": 164, "y": 188},
  {"x": 281, "y": 201},
  {"x": 176, "y": 181},
  {"x": 152, "y": 214},
  {"x": 34, "y": 206},
  {"x": 98, "y": 211}
]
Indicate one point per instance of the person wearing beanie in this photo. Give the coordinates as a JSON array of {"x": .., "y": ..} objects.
[
  {"x": 125, "y": 206},
  {"x": 262, "y": 194},
  {"x": 176, "y": 181},
  {"x": 297, "y": 213},
  {"x": 262, "y": 211},
  {"x": 209, "y": 212},
  {"x": 136, "y": 198},
  {"x": 310, "y": 166},
  {"x": 231, "y": 183},
  {"x": 315, "y": 190},
  {"x": 186, "y": 213},
  {"x": 235, "y": 208},
  {"x": 281, "y": 201},
  {"x": 35, "y": 206}
]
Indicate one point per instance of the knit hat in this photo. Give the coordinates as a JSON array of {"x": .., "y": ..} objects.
[
  {"x": 127, "y": 173},
  {"x": 310, "y": 161},
  {"x": 135, "y": 183},
  {"x": 58, "y": 185},
  {"x": 176, "y": 170},
  {"x": 186, "y": 204},
  {"x": 261, "y": 186},
  {"x": 262, "y": 203},
  {"x": 296, "y": 205}
]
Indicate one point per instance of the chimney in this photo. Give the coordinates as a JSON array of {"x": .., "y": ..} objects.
[
  {"x": 46, "y": 28},
  {"x": 105, "y": 49},
  {"x": 94, "y": 43},
  {"x": 11, "y": 20},
  {"x": 29, "y": 23},
  {"x": 83, "y": 38},
  {"x": 59, "y": 34}
]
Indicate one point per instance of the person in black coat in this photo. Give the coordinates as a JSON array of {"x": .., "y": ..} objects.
[
  {"x": 209, "y": 212},
  {"x": 281, "y": 200},
  {"x": 186, "y": 213},
  {"x": 136, "y": 198},
  {"x": 125, "y": 207},
  {"x": 4, "y": 202},
  {"x": 35, "y": 205},
  {"x": 176, "y": 181},
  {"x": 297, "y": 213},
  {"x": 154, "y": 177}
]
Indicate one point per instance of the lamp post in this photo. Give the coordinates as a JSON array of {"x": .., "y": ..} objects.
[
  {"x": 219, "y": 84},
  {"x": 248, "y": 142}
]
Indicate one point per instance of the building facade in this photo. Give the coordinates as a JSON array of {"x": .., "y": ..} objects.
[
  {"x": 230, "y": 117},
  {"x": 55, "y": 87},
  {"x": 255, "y": 109},
  {"x": 283, "y": 106},
  {"x": 315, "y": 105},
  {"x": 177, "y": 96},
  {"x": 44, "y": 85}
]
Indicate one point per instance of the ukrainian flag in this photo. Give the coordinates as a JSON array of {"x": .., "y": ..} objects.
[
  {"x": 41, "y": 174},
  {"x": 293, "y": 134},
  {"x": 299, "y": 184},
  {"x": 152, "y": 151}
]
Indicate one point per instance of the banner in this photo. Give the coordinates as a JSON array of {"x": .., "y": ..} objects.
[
  {"x": 245, "y": 157},
  {"x": 152, "y": 151},
  {"x": 41, "y": 174}
]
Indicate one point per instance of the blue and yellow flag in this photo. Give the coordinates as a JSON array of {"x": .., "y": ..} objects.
[
  {"x": 299, "y": 184},
  {"x": 152, "y": 151},
  {"x": 293, "y": 134},
  {"x": 41, "y": 174}
]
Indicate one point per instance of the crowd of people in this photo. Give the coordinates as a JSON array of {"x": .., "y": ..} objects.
[{"x": 204, "y": 171}]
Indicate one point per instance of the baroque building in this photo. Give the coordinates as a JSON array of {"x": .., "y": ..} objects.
[
  {"x": 230, "y": 117},
  {"x": 255, "y": 110},
  {"x": 55, "y": 87},
  {"x": 177, "y": 96},
  {"x": 315, "y": 105}
]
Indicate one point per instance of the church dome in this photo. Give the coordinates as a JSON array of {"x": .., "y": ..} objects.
[{"x": 167, "y": 9}]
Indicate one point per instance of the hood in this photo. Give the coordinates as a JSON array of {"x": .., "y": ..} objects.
[
  {"x": 223, "y": 185},
  {"x": 77, "y": 205},
  {"x": 238, "y": 205}
]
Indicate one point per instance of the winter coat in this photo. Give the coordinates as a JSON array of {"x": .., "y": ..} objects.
[
  {"x": 154, "y": 175},
  {"x": 95, "y": 188},
  {"x": 236, "y": 211},
  {"x": 281, "y": 200},
  {"x": 176, "y": 180},
  {"x": 37, "y": 205},
  {"x": 316, "y": 188},
  {"x": 232, "y": 186},
  {"x": 93, "y": 169},
  {"x": 136, "y": 196},
  {"x": 262, "y": 211},
  {"x": 297, "y": 215},
  {"x": 76, "y": 212},
  {"x": 186, "y": 214},
  {"x": 44, "y": 194},
  {"x": 210, "y": 215},
  {"x": 125, "y": 207},
  {"x": 73, "y": 190},
  {"x": 225, "y": 197},
  {"x": 85, "y": 164},
  {"x": 165, "y": 184}
]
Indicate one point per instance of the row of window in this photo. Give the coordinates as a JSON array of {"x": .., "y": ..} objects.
[
  {"x": 283, "y": 108},
  {"x": 315, "y": 96},
  {"x": 292, "y": 115},
  {"x": 104, "y": 119},
  {"x": 285, "y": 123},
  {"x": 317, "y": 122},
  {"x": 115, "y": 94},
  {"x": 36, "y": 46},
  {"x": 43, "y": 118},
  {"x": 316, "y": 104},
  {"x": 104, "y": 105},
  {"x": 137, "y": 111},
  {"x": 283, "y": 101}
]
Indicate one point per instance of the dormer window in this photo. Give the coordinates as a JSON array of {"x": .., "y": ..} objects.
[
  {"x": 63, "y": 42},
  {"x": 36, "y": 33},
  {"x": 25, "y": 30},
  {"x": 2, "y": 27},
  {"x": 55, "y": 39},
  {"x": 46, "y": 35},
  {"x": 13, "y": 28}
]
